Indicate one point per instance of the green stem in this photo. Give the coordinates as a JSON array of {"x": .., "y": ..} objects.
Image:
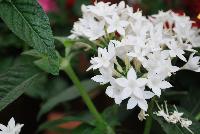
[
  {"x": 66, "y": 66},
  {"x": 148, "y": 123}
]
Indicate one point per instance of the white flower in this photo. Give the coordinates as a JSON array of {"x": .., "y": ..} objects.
[
  {"x": 122, "y": 48},
  {"x": 11, "y": 128},
  {"x": 100, "y": 9},
  {"x": 135, "y": 89},
  {"x": 175, "y": 50},
  {"x": 193, "y": 63},
  {"x": 133, "y": 84},
  {"x": 105, "y": 77},
  {"x": 104, "y": 59},
  {"x": 158, "y": 64},
  {"x": 156, "y": 83},
  {"x": 115, "y": 24},
  {"x": 89, "y": 27},
  {"x": 141, "y": 102},
  {"x": 117, "y": 92}
]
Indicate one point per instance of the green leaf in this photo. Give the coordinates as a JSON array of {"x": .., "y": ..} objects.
[
  {"x": 56, "y": 123},
  {"x": 170, "y": 128},
  {"x": 33, "y": 53},
  {"x": 65, "y": 41},
  {"x": 66, "y": 95},
  {"x": 47, "y": 88},
  {"x": 15, "y": 81},
  {"x": 5, "y": 63},
  {"x": 192, "y": 101},
  {"x": 29, "y": 22},
  {"x": 38, "y": 90},
  {"x": 84, "y": 129},
  {"x": 43, "y": 62}
]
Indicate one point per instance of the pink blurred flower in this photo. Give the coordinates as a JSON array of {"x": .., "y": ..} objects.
[{"x": 48, "y": 5}]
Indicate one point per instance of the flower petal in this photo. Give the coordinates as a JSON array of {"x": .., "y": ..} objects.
[
  {"x": 100, "y": 79},
  {"x": 11, "y": 123},
  {"x": 2, "y": 127},
  {"x": 165, "y": 84},
  {"x": 148, "y": 94},
  {"x": 109, "y": 91},
  {"x": 126, "y": 93},
  {"x": 131, "y": 74},
  {"x": 122, "y": 82},
  {"x": 141, "y": 82},
  {"x": 139, "y": 93},
  {"x": 131, "y": 103},
  {"x": 142, "y": 103}
]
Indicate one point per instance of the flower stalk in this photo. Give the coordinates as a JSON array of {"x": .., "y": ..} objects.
[
  {"x": 148, "y": 123},
  {"x": 67, "y": 68}
]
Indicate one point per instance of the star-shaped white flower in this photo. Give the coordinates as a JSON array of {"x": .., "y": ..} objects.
[
  {"x": 104, "y": 59},
  {"x": 117, "y": 92},
  {"x": 100, "y": 9},
  {"x": 133, "y": 84},
  {"x": 11, "y": 128},
  {"x": 175, "y": 50},
  {"x": 158, "y": 64},
  {"x": 156, "y": 83},
  {"x": 141, "y": 102},
  {"x": 116, "y": 24},
  {"x": 105, "y": 77},
  {"x": 89, "y": 27},
  {"x": 193, "y": 63}
]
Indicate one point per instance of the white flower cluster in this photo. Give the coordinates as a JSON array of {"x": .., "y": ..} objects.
[
  {"x": 11, "y": 128},
  {"x": 136, "y": 51},
  {"x": 174, "y": 118}
]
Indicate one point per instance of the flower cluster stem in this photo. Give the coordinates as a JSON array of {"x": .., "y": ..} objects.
[
  {"x": 148, "y": 123},
  {"x": 72, "y": 75}
]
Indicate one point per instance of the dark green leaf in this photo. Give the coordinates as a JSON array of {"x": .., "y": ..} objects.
[
  {"x": 33, "y": 53},
  {"x": 28, "y": 21},
  {"x": 5, "y": 63},
  {"x": 56, "y": 123},
  {"x": 47, "y": 88},
  {"x": 67, "y": 95},
  {"x": 192, "y": 101},
  {"x": 84, "y": 129},
  {"x": 43, "y": 62},
  {"x": 15, "y": 81},
  {"x": 38, "y": 89}
]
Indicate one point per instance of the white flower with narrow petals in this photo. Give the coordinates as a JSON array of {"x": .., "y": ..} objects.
[
  {"x": 105, "y": 77},
  {"x": 117, "y": 92},
  {"x": 193, "y": 63},
  {"x": 135, "y": 89},
  {"x": 104, "y": 59},
  {"x": 11, "y": 128},
  {"x": 89, "y": 27},
  {"x": 175, "y": 50},
  {"x": 156, "y": 83},
  {"x": 140, "y": 101},
  {"x": 133, "y": 84},
  {"x": 100, "y": 9},
  {"x": 116, "y": 24},
  {"x": 155, "y": 63}
]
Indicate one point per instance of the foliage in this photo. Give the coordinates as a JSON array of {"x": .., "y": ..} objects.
[{"x": 27, "y": 20}]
